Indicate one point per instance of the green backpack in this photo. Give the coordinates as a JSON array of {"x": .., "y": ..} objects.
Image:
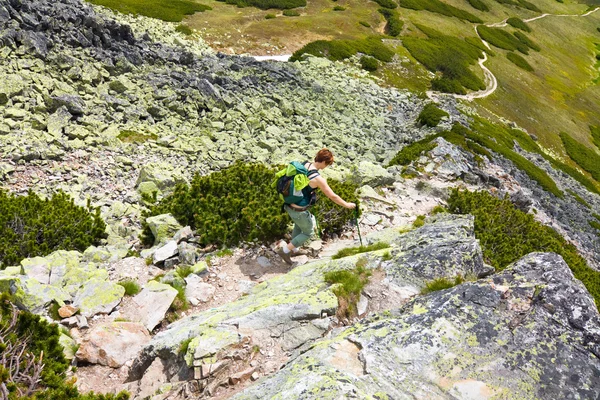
[{"x": 291, "y": 181}]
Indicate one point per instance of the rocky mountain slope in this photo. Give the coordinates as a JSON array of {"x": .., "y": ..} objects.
[{"x": 110, "y": 107}]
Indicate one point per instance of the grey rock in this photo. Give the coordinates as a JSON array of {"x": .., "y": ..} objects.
[
  {"x": 98, "y": 296},
  {"x": 163, "y": 227},
  {"x": 74, "y": 104},
  {"x": 167, "y": 251},
  {"x": 367, "y": 173},
  {"x": 187, "y": 253},
  {"x": 152, "y": 304},
  {"x": 196, "y": 288}
]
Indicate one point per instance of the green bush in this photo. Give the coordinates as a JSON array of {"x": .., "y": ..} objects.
[
  {"x": 30, "y": 226},
  {"x": 436, "y": 6},
  {"x": 595, "y": 130},
  {"x": 501, "y": 39},
  {"x": 441, "y": 284},
  {"x": 526, "y": 41},
  {"x": 574, "y": 173},
  {"x": 594, "y": 224},
  {"x": 475, "y": 41},
  {"x": 431, "y": 115},
  {"x": 579, "y": 199},
  {"x": 337, "y": 50},
  {"x": 518, "y": 23},
  {"x": 585, "y": 157},
  {"x": 270, "y": 16},
  {"x": 238, "y": 204},
  {"x": 507, "y": 234},
  {"x": 450, "y": 56},
  {"x": 529, "y": 6},
  {"x": 131, "y": 287},
  {"x": 28, "y": 340},
  {"x": 365, "y": 24},
  {"x": 394, "y": 24},
  {"x": 368, "y": 63},
  {"x": 519, "y": 61},
  {"x": 351, "y": 251},
  {"x": 412, "y": 151},
  {"x": 267, "y": 4},
  {"x": 291, "y": 13},
  {"x": 391, "y": 4},
  {"x": 339, "y": 8},
  {"x": 419, "y": 222},
  {"x": 334, "y": 219},
  {"x": 349, "y": 286},
  {"x": 171, "y": 11},
  {"x": 186, "y": 30},
  {"x": 479, "y": 5}
]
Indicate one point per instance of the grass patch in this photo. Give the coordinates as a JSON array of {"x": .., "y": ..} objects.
[
  {"x": 135, "y": 137},
  {"x": 339, "y": 8},
  {"x": 337, "y": 50},
  {"x": 501, "y": 39},
  {"x": 518, "y": 23},
  {"x": 419, "y": 222},
  {"x": 594, "y": 224},
  {"x": 438, "y": 7},
  {"x": 439, "y": 210},
  {"x": 579, "y": 199},
  {"x": 585, "y": 157},
  {"x": 431, "y": 115},
  {"x": 223, "y": 253},
  {"x": 131, "y": 287},
  {"x": 183, "y": 346},
  {"x": 180, "y": 302},
  {"x": 479, "y": 5},
  {"x": 394, "y": 24},
  {"x": 291, "y": 13},
  {"x": 270, "y": 16},
  {"x": 171, "y": 11},
  {"x": 450, "y": 56},
  {"x": 351, "y": 251},
  {"x": 519, "y": 61},
  {"x": 184, "y": 271},
  {"x": 348, "y": 286},
  {"x": 186, "y": 30},
  {"x": 410, "y": 152},
  {"x": 507, "y": 234},
  {"x": 386, "y": 256},
  {"x": 441, "y": 284}
]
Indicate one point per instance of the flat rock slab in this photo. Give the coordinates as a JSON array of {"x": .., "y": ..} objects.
[
  {"x": 529, "y": 332},
  {"x": 98, "y": 297},
  {"x": 151, "y": 304},
  {"x": 197, "y": 289},
  {"x": 113, "y": 344}
]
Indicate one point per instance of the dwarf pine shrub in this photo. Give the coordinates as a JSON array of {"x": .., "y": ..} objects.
[
  {"x": 31, "y": 226},
  {"x": 394, "y": 23},
  {"x": 291, "y": 13},
  {"x": 479, "y": 5},
  {"x": 431, "y": 115},
  {"x": 238, "y": 204},
  {"x": 368, "y": 63},
  {"x": 519, "y": 61},
  {"x": 339, "y": 8},
  {"x": 32, "y": 364},
  {"x": 436, "y": 6},
  {"x": 337, "y": 50},
  {"x": 410, "y": 152},
  {"x": 507, "y": 234},
  {"x": 267, "y": 4},
  {"x": 387, "y": 3},
  {"x": 526, "y": 41},
  {"x": 186, "y": 30},
  {"x": 585, "y": 157},
  {"x": 449, "y": 55},
  {"x": 518, "y": 23},
  {"x": 501, "y": 39}
]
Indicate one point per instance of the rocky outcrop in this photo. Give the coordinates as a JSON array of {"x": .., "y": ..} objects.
[
  {"x": 297, "y": 308},
  {"x": 529, "y": 332}
]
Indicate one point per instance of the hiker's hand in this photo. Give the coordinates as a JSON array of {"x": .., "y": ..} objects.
[{"x": 351, "y": 206}]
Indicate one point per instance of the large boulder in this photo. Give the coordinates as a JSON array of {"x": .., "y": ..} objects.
[
  {"x": 151, "y": 304},
  {"x": 530, "y": 332},
  {"x": 10, "y": 85},
  {"x": 163, "y": 227},
  {"x": 367, "y": 173},
  {"x": 113, "y": 344},
  {"x": 164, "y": 176},
  {"x": 30, "y": 294}
]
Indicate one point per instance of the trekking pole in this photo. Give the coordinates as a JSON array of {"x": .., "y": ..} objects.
[
  {"x": 357, "y": 227},
  {"x": 319, "y": 234}
]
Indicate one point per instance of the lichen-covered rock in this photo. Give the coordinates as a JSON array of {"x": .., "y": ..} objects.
[
  {"x": 152, "y": 303},
  {"x": 98, "y": 296},
  {"x": 163, "y": 227},
  {"x": 52, "y": 268},
  {"x": 32, "y": 295},
  {"x": 164, "y": 176},
  {"x": 368, "y": 173},
  {"x": 530, "y": 332}
]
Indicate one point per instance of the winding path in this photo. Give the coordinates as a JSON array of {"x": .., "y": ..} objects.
[{"x": 491, "y": 82}]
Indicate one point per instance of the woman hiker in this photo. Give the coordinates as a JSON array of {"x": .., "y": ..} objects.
[{"x": 304, "y": 222}]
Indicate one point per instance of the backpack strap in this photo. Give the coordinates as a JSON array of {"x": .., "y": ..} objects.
[{"x": 312, "y": 173}]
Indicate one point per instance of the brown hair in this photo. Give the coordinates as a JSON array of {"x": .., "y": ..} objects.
[{"x": 325, "y": 156}]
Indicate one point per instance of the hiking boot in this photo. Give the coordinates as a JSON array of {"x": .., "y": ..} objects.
[{"x": 285, "y": 256}]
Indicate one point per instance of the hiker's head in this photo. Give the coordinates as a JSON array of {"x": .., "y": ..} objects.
[{"x": 324, "y": 158}]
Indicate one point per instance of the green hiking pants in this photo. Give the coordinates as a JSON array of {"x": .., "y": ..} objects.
[{"x": 303, "y": 226}]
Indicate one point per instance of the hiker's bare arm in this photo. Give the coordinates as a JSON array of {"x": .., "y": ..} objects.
[{"x": 322, "y": 184}]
